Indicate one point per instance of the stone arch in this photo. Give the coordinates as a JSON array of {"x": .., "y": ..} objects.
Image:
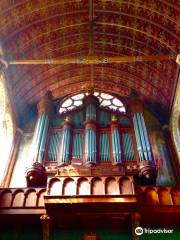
[{"x": 175, "y": 120}]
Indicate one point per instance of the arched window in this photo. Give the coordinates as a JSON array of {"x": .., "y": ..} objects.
[
  {"x": 6, "y": 128},
  {"x": 106, "y": 101}
]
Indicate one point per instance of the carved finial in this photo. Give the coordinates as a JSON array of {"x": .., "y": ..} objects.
[
  {"x": 114, "y": 118},
  {"x": 90, "y": 90},
  {"x": 67, "y": 119}
]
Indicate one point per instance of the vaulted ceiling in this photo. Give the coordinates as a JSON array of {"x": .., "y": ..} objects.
[{"x": 52, "y": 29}]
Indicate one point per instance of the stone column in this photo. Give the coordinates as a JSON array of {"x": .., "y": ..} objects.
[
  {"x": 115, "y": 139},
  {"x": 146, "y": 163},
  {"x": 172, "y": 152},
  {"x": 13, "y": 157},
  {"x": 91, "y": 104},
  {"x": 36, "y": 174},
  {"x": 175, "y": 118},
  {"x": 45, "y": 219}
]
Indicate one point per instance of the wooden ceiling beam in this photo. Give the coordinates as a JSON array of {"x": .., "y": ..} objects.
[{"x": 86, "y": 60}]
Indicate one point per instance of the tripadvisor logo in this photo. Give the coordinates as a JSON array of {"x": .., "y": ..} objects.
[{"x": 139, "y": 231}]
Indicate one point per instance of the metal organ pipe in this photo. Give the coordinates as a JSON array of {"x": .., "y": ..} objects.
[
  {"x": 116, "y": 142},
  {"x": 128, "y": 146},
  {"x": 138, "y": 141},
  {"x": 43, "y": 139},
  {"x": 146, "y": 164},
  {"x": 91, "y": 103},
  {"x": 64, "y": 155},
  {"x": 40, "y": 136},
  {"x": 36, "y": 173},
  {"x": 146, "y": 137}
]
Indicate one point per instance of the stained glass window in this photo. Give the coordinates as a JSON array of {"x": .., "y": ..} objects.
[{"x": 106, "y": 100}]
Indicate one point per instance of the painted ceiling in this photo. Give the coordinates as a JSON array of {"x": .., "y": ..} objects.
[{"x": 52, "y": 29}]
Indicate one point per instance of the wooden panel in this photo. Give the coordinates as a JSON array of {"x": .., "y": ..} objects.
[
  {"x": 55, "y": 187},
  {"x": 151, "y": 196},
  {"x": 41, "y": 198},
  {"x": 164, "y": 197},
  {"x": 126, "y": 186},
  {"x": 5, "y": 199},
  {"x": 112, "y": 187},
  {"x": 18, "y": 200},
  {"x": 84, "y": 187},
  {"x": 98, "y": 187},
  {"x": 69, "y": 187},
  {"x": 31, "y": 199},
  {"x": 176, "y": 195}
]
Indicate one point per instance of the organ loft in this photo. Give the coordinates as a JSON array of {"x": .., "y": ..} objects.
[{"x": 89, "y": 120}]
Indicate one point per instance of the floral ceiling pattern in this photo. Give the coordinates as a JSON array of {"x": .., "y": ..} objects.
[{"x": 46, "y": 29}]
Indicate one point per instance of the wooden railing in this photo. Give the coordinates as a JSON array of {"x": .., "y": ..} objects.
[
  {"x": 62, "y": 187},
  {"x": 162, "y": 195},
  {"x": 103, "y": 185},
  {"x": 22, "y": 197}
]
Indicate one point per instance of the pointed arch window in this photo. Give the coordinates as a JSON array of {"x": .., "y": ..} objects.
[{"x": 6, "y": 128}]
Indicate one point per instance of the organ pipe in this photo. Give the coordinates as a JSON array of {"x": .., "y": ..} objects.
[
  {"x": 146, "y": 164},
  {"x": 104, "y": 149},
  {"x": 116, "y": 146},
  {"x": 91, "y": 103},
  {"x": 128, "y": 147},
  {"x": 53, "y": 148},
  {"x": 65, "y": 150},
  {"x": 40, "y": 136},
  {"x": 77, "y": 146},
  {"x": 36, "y": 173}
]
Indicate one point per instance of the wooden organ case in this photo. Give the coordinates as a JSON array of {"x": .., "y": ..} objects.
[{"x": 92, "y": 136}]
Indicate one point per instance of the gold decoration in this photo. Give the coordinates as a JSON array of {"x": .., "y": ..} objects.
[
  {"x": 114, "y": 118},
  {"x": 67, "y": 119},
  {"x": 44, "y": 217}
]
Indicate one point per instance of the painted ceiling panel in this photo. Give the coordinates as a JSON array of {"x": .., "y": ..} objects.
[{"x": 52, "y": 29}]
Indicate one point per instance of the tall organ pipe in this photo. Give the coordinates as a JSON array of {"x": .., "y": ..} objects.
[
  {"x": 65, "y": 150},
  {"x": 116, "y": 146},
  {"x": 91, "y": 103},
  {"x": 146, "y": 164},
  {"x": 36, "y": 173}
]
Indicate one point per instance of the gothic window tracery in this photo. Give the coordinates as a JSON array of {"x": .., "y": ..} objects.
[{"x": 106, "y": 100}]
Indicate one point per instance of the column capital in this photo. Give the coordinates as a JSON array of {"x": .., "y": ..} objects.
[
  {"x": 46, "y": 226},
  {"x": 45, "y": 217},
  {"x": 45, "y": 104}
]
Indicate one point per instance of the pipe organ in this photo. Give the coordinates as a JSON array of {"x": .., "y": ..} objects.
[{"x": 93, "y": 134}]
